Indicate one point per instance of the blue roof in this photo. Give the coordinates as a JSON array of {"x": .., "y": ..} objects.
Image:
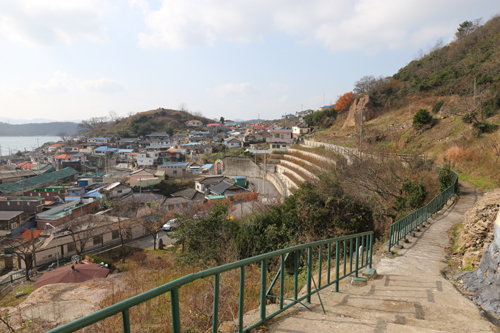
[
  {"x": 103, "y": 148},
  {"x": 192, "y": 144},
  {"x": 328, "y": 106},
  {"x": 176, "y": 164},
  {"x": 239, "y": 177},
  {"x": 206, "y": 166},
  {"x": 96, "y": 139},
  {"x": 125, "y": 150}
]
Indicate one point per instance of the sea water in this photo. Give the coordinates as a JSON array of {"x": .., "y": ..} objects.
[{"x": 22, "y": 143}]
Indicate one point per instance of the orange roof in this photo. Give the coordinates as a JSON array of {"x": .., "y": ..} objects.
[
  {"x": 56, "y": 145},
  {"x": 22, "y": 163},
  {"x": 27, "y": 234},
  {"x": 63, "y": 156}
]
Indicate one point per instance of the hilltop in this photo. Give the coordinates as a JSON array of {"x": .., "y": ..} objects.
[
  {"x": 463, "y": 130},
  {"x": 141, "y": 123}
]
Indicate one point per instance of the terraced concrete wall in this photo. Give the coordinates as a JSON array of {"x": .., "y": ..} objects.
[
  {"x": 281, "y": 168},
  {"x": 295, "y": 158},
  {"x": 296, "y": 166},
  {"x": 278, "y": 184}
]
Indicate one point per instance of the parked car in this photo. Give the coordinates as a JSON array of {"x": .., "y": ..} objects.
[{"x": 170, "y": 225}]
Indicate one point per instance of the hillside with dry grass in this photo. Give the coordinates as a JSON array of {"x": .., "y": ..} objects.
[
  {"x": 465, "y": 116},
  {"x": 141, "y": 123}
]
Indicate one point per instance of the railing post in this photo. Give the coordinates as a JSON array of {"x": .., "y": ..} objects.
[
  {"x": 337, "y": 255},
  {"x": 176, "y": 316},
  {"x": 319, "y": 268},
  {"x": 329, "y": 262},
  {"x": 241, "y": 299},
  {"x": 263, "y": 278},
  {"x": 371, "y": 249},
  {"x": 282, "y": 280},
  {"x": 295, "y": 274},
  {"x": 215, "y": 316},
  {"x": 126, "y": 321},
  {"x": 357, "y": 257},
  {"x": 309, "y": 273},
  {"x": 390, "y": 239}
]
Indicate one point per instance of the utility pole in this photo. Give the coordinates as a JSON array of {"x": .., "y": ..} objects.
[{"x": 140, "y": 188}]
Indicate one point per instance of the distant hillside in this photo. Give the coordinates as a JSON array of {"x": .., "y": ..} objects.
[
  {"x": 140, "y": 123},
  {"x": 464, "y": 123},
  {"x": 447, "y": 70},
  {"x": 53, "y": 128}
]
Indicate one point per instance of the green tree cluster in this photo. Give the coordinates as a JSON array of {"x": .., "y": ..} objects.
[
  {"x": 323, "y": 118},
  {"x": 421, "y": 118}
]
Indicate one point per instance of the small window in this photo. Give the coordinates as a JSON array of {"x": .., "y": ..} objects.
[
  {"x": 71, "y": 247},
  {"x": 174, "y": 172},
  {"x": 97, "y": 240},
  {"x": 115, "y": 234},
  {"x": 47, "y": 194},
  {"x": 13, "y": 225},
  {"x": 28, "y": 203},
  {"x": 282, "y": 136}
]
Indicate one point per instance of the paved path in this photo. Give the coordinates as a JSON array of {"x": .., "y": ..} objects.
[
  {"x": 409, "y": 295},
  {"x": 147, "y": 241}
]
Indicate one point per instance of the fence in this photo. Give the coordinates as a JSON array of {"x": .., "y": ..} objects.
[
  {"x": 354, "y": 152},
  {"x": 16, "y": 276},
  {"x": 407, "y": 224},
  {"x": 358, "y": 246}
]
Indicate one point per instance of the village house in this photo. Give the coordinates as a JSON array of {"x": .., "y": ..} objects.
[
  {"x": 147, "y": 158},
  {"x": 143, "y": 178},
  {"x": 193, "y": 123},
  {"x": 98, "y": 140},
  {"x": 300, "y": 130},
  {"x": 232, "y": 143},
  {"x": 174, "y": 169},
  {"x": 280, "y": 139},
  {"x": 67, "y": 212}
]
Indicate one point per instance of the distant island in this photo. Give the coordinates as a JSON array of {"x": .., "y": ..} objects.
[{"x": 33, "y": 129}]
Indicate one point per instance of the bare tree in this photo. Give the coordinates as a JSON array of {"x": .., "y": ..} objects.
[
  {"x": 82, "y": 230},
  {"x": 91, "y": 126},
  {"x": 368, "y": 84},
  {"x": 64, "y": 136},
  {"x": 24, "y": 249},
  {"x": 113, "y": 116},
  {"x": 153, "y": 222}
]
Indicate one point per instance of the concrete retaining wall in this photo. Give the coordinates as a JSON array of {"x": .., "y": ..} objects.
[
  {"x": 239, "y": 167},
  {"x": 288, "y": 183},
  {"x": 281, "y": 168},
  {"x": 295, "y": 158},
  {"x": 278, "y": 184},
  {"x": 296, "y": 166},
  {"x": 313, "y": 155}
]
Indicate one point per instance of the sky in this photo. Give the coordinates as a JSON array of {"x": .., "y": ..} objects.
[{"x": 239, "y": 59}]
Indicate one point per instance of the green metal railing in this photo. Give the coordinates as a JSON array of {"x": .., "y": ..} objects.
[
  {"x": 406, "y": 225},
  {"x": 340, "y": 253}
]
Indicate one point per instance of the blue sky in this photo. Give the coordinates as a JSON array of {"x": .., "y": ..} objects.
[{"x": 78, "y": 59}]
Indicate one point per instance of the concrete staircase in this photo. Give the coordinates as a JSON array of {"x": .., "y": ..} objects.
[{"x": 408, "y": 295}]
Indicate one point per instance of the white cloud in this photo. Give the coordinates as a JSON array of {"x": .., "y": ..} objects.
[
  {"x": 59, "y": 83},
  {"x": 103, "y": 85},
  {"x": 43, "y": 23},
  {"x": 235, "y": 89},
  {"x": 367, "y": 25},
  {"x": 62, "y": 82}
]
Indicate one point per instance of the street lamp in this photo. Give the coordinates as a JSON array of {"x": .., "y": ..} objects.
[{"x": 55, "y": 235}]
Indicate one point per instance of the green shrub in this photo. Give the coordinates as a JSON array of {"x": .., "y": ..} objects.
[
  {"x": 414, "y": 195},
  {"x": 98, "y": 260},
  {"x": 437, "y": 106},
  {"x": 421, "y": 118},
  {"x": 446, "y": 177}
]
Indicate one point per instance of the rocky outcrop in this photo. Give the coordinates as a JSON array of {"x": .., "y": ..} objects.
[
  {"x": 477, "y": 231},
  {"x": 484, "y": 282},
  {"x": 353, "y": 118}
]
